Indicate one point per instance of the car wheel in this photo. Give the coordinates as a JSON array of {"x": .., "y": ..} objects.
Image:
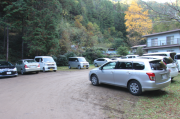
[
  {"x": 69, "y": 67},
  {"x": 95, "y": 65},
  {"x": 135, "y": 87},
  {"x": 44, "y": 69},
  {"x": 94, "y": 80},
  {"x": 37, "y": 72},
  {"x": 22, "y": 72},
  {"x": 79, "y": 67},
  {"x": 54, "y": 70},
  {"x": 87, "y": 67}
]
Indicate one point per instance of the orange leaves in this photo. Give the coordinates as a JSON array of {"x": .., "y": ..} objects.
[{"x": 137, "y": 22}]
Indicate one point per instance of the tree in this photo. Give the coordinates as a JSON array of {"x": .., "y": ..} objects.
[
  {"x": 137, "y": 23},
  {"x": 139, "y": 51},
  {"x": 122, "y": 50},
  {"x": 170, "y": 10}
]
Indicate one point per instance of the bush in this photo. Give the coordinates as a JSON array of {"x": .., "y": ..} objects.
[
  {"x": 93, "y": 53},
  {"x": 62, "y": 60},
  {"x": 122, "y": 50},
  {"x": 139, "y": 51},
  {"x": 70, "y": 54}
]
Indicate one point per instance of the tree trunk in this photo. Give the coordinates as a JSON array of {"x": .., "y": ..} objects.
[
  {"x": 22, "y": 37},
  {"x": 4, "y": 44},
  {"x": 7, "y": 43}
]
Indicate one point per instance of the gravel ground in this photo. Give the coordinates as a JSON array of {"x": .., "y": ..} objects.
[{"x": 62, "y": 95}]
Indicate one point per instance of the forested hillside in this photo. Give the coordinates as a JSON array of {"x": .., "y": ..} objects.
[
  {"x": 55, "y": 27},
  {"x": 44, "y": 27}
]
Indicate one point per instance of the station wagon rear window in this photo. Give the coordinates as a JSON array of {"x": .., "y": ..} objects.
[{"x": 157, "y": 65}]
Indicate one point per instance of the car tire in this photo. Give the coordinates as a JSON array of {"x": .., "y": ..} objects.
[
  {"x": 22, "y": 72},
  {"x": 135, "y": 88},
  {"x": 95, "y": 65},
  {"x": 94, "y": 80},
  {"x": 87, "y": 67},
  {"x": 37, "y": 72},
  {"x": 79, "y": 67},
  {"x": 44, "y": 69},
  {"x": 69, "y": 67},
  {"x": 54, "y": 70}
]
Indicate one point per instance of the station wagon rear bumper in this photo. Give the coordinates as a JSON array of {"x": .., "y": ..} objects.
[{"x": 156, "y": 86}]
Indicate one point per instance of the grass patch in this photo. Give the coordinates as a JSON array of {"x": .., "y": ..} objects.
[
  {"x": 65, "y": 68},
  {"x": 161, "y": 104}
]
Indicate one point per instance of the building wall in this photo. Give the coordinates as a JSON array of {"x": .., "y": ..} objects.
[
  {"x": 162, "y": 38},
  {"x": 172, "y": 49}
]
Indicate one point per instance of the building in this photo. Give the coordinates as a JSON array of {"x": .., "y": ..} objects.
[
  {"x": 111, "y": 51},
  {"x": 168, "y": 41},
  {"x": 134, "y": 48}
]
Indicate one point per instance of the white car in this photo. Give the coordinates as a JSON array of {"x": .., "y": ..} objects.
[
  {"x": 47, "y": 63},
  {"x": 100, "y": 61},
  {"x": 169, "y": 62},
  {"x": 177, "y": 59}
]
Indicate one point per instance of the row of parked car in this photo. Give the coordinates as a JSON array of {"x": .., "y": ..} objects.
[
  {"x": 151, "y": 71},
  {"x": 39, "y": 63}
]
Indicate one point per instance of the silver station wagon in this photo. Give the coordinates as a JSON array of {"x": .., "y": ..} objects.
[{"x": 138, "y": 75}]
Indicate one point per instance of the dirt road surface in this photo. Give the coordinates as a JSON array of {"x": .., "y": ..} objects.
[{"x": 62, "y": 95}]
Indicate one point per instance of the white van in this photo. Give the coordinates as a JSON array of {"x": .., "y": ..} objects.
[
  {"x": 47, "y": 63},
  {"x": 168, "y": 54},
  {"x": 177, "y": 59}
]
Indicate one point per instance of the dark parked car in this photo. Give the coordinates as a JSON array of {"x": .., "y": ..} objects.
[{"x": 7, "y": 69}]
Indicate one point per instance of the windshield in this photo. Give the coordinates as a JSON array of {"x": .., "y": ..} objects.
[
  {"x": 123, "y": 57},
  {"x": 29, "y": 61},
  {"x": 48, "y": 59},
  {"x": 82, "y": 59},
  {"x": 157, "y": 65},
  {"x": 177, "y": 57},
  {"x": 5, "y": 64}
]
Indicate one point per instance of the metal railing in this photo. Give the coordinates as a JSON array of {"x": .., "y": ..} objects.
[{"x": 163, "y": 42}]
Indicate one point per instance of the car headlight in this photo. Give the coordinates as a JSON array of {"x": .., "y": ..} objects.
[{"x": 15, "y": 69}]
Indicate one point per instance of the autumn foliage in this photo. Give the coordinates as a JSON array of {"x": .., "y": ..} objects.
[{"x": 137, "y": 23}]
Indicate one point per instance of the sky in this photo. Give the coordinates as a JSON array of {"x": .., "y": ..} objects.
[{"x": 161, "y": 1}]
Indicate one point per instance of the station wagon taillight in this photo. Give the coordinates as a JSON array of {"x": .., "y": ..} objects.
[
  {"x": 38, "y": 65},
  {"x": 25, "y": 66},
  {"x": 151, "y": 76}
]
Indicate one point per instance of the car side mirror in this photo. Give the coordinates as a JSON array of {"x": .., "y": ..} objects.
[{"x": 100, "y": 68}]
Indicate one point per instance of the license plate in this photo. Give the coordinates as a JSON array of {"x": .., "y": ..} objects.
[
  {"x": 51, "y": 69},
  {"x": 8, "y": 72},
  {"x": 164, "y": 76},
  {"x": 84, "y": 66}
]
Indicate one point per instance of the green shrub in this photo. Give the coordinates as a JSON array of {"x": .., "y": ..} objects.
[
  {"x": 93, "y": 53},
  {"x": 122, "y": 50},
  {"x": 62, "y": 60}
]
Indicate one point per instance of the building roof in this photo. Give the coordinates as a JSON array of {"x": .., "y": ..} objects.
[
  {"x": 136, "y": 46},
  {"x": 165, "y": 32}
]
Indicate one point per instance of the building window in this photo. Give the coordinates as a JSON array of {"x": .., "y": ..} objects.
[
  {"x": 170, "y": 50},
  {"x": 154, "y": 42},
  {"x": 170, "y": 40}
]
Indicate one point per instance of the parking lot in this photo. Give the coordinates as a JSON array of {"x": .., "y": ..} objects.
[{"x": 62, "y": 94}]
